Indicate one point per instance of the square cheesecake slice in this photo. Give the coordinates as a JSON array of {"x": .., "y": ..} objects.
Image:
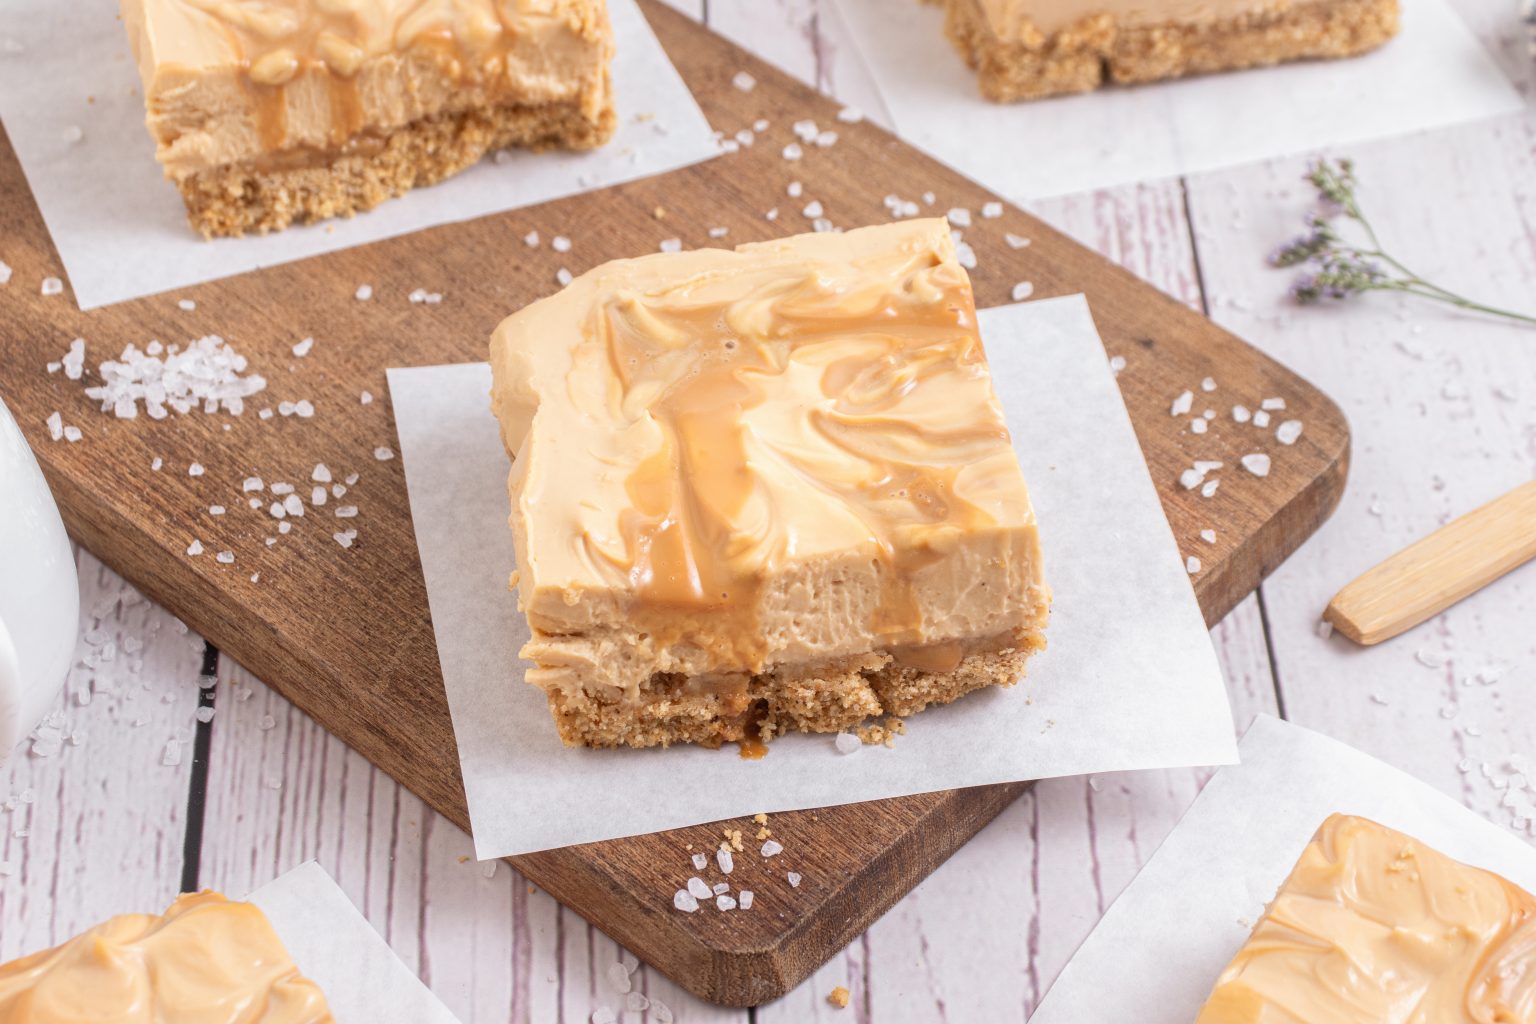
[
  {"x": 1026, "y": 49},
  {"x": 764, "y": 490},
  {"x": 267, "y": 113},
  {"x": 206, "y": 959},
  {"x": 1374, "y": 926}
]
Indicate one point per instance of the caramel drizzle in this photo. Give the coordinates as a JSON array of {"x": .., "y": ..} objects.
[
  {"x": 277, "y": 42},
  {"x": 692, "y": 368}
]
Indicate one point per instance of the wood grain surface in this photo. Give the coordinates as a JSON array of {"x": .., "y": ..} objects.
[{"x": 344, "y": 634}]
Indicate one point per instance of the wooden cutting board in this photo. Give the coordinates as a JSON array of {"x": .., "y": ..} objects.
[{"x": 345, "y": 633}]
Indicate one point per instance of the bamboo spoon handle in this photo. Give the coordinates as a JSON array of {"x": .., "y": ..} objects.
[{"x": 1435, "y": 572}]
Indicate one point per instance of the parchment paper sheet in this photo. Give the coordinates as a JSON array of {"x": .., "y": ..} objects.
[
  {"x": 1434, "y": 74},
  {"x": 333, "y": 944},
  {"x": 121, "y": 229},
  {"x": 1159, "y": 949},
  {"x": 1130, "y": 679}
]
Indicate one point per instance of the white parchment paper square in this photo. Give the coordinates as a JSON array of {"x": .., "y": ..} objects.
[
  {"x": 1434, "y": 74},
  {"x": 1159, "y": 949},
  {"x": 121, "y": 229},
  {"x": 335, "y": 946},
  {"x": 1130, "y": 679}
]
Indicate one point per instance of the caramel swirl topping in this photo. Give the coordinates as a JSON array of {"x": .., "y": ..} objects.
[
  {"x": 206, "y": 959},
  {"x": 1373, "y": 927}
]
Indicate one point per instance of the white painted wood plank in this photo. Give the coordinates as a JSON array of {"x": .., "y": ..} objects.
[
  {"x": 281, "y": 790},
  {"x": 96, "y": 828},
  {"x": 1432, "y": 437}
]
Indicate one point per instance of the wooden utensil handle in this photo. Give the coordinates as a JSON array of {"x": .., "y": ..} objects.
[{"x": 1434, "y": 573}]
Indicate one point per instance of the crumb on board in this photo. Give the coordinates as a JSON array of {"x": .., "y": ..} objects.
[{"x": 838, "y": 997}]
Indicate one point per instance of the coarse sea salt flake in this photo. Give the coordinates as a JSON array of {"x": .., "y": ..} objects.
[
  {"x": 743, "y": 81},
  {"x": 383, "y": 453},
  {"x": 847, "y": 743},
  {"x": 302, "y": 348},
  {"x": 1182, "y": 404},
  {"x": 1241, "y": 414},
  {"x": 1288, "y": 431},
  {"x": 1015, "y": 241},
  {"x": 725, "y": 903},
  {"x": 1209, "y": 536},
  {"x": 1192, "y": 564},
  {"x": 992, "y": 210},
  {"x": 772, "y": 848},
  {"x": 700, "y": 862},
  {"x": 685, "y": 901},
  {"x": 745, "y": 899},
  {"x": 1261, "y": 419},
  {"x": 195, "y": 548},
  {"x": 1256, "y": 463},
  {"x": 618, "y": 978},
  {"x": 1022, "y": 291},
  {"x": 55, "y": 426},
  {"x": 850, "y": 115},
  {"x": 52, "y": 286},
  {"x": 793, "y": 878},
  {"x": 697, "y": 887},
  {"x": 721, "y": 887},
  {"x": 724, "y": 860},
  {"x": 671, "y": 245}
]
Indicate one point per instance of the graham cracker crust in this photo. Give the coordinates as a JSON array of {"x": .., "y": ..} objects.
[
  {"x": 238, "y": 199},
  {"x": 1097, "y": 50},
  {"x": 834, "y": 696}
]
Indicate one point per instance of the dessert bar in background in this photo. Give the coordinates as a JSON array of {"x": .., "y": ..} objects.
[
  {"x": 764, "y": 490},
  {"x": 1025, "y": 49},
  {"x": 207, "y": 959},
  {"x": 266, "y": 114},
  {"x": 1374, "y": 926}
]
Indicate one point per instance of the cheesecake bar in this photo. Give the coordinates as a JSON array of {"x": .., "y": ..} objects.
[
  {"x": 1025, "y": 49},
  {"x": 1374, "y": 926},
  {"x": 207, "y": 959},
  {"x": 764, "y": 490},
  {"x": 267, "y": 112}
]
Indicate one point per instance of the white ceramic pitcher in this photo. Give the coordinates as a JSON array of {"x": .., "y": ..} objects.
[{"x": 39, "y": 591}]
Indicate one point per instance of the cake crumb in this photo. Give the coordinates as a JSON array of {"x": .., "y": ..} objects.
[
  {"x": 760, "y": 818},
  {"x": 838, "y": 997}
]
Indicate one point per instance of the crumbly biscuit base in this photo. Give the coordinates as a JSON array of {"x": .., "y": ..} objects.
[
  {"x": 239, "y": 199},
  {"x": 833, "y": 696},
  {"x": 1096, "y": 50}
]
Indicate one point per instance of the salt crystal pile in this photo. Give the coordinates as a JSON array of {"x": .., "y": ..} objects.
[{"x": 207, "y": 373}]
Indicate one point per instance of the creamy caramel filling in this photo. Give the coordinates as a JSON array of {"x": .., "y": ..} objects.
[
  {"x": 228, "y": 80},
  {"x": 787, "y": 454},
  {"x": 1373, "y": 927},
  {"x": 206, "y": 959}
]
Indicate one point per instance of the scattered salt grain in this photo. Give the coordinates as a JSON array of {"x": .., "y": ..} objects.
[
  {"x": 1182, "y": 404},
  {"x": 1116, "y": 364},
  {"x": 560, "y": 243},
  {"x": 1272, "y": 403},
  {"x": 1288, "y": 431},
  {"x": 52, "y": 286},
  {"x": 847, "y": 743},
  {"x": 1430, "y": 659},
  {"x": 1209, "y": 536},
  {"x": 793, "y": 151},
  {"x": 73, "y": 361},
  {"x": 1192, "y": 564},
  {"x": 1256, "y": 463},
  {"x": 346, "y": 511},
  {"x": 207, "y": 373},
  {"x": 793, "y": 878},
  {"x": 216, "y": 510},
  {"x": 302, "y": 348},
  {"x": 383, "y": 453},
  {"x": 421, "y": 295},
  {"x": 850, "y": 115},
  {"x": 1324, "y": 628},
  {"x": 826, "y": 138},
  {"x": 1261, "y": 419},
  {"x": 196, "y": 469},
  {"x": 321, "y": 473},
  {"x": 721, "y": 887},
  {"x": 725, "y": 903},
  {"x": 772, "y": 848},
  {"x": 156, "y": 463},
  {"x": 186, "y": 304},
  {"x": 698, "y": 888},
  {"x": 671, "y": 245},
  {"x": 563, "y": 277},
  {"x": 959, "y": 216},
  {"x": 746, "y": 899},
  {"x": 1241, "y": 414},
  {"x": 343, "y": 537},
  {"x": 282, "y": 488},
  {"x": 251, "y": 483},
  {"x": 317, "y": 496},
  {"x": 603, "y": 1015},
  {"x": 719, "y": 232},
  {"x": 724, "y": 860},
  {"x": 171, "y": 756},
  {"x": 364, "y": 292},
  {"x": 618, "y": 978},
  {"x": 992, "y": 210},
  {"x": 72, "y": 434},
  {"x": 1197, "y": 425},
  {"x": 1022, "y": 291},
  {"x": 204, "y": 713},
  {"x": 195, "y": 548},
  {"x": 1015, "y": 241},
  {"x": 5, "y": 273},
  {"x": 813, "y": 209},
  {"x": 700, "y": 862},
  {"x": 55, "y": 426},
  {"x": 1209, "y": 488},
  {"x": 365, "y": 398},
  {"x": 794, "y": 190},
  {"x": 636, "y": 1002},
  {"x": 743, "y": 81},
  {"x": 684, "y": 900}
]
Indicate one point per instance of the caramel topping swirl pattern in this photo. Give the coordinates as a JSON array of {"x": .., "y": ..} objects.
[
  {"x": 207, "y": 959},
  {"x": 1373, "y": 927}
]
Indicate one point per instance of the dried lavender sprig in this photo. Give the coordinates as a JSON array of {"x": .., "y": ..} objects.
[{"x": 1342, "y": 269}]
